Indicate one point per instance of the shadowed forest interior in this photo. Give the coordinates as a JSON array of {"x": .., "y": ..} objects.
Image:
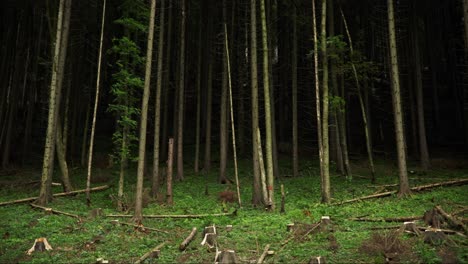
[{"x": 147, "y": 95}]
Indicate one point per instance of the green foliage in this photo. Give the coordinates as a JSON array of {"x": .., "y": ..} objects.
[
  {"x": 20, "y": 224},
  {"x": 127, "y": 84}
]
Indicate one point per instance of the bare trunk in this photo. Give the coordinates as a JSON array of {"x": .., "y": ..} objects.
[
  {"x": 257, "y": 189},
  {"x": 180, "y": 128},
  {"x": 144, "y": 118},
  {"x": 397, "y": 109},
  {"x": 169, "y": 200},
  {"x": 223, "y": 130},
  {"x": 157, "y": 105},
  {"x": 96, "y": 100},
  {"x": 295, "y": 155}
]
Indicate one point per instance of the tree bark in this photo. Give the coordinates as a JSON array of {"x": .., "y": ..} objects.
[
  {"x": 58, "y": 67},
  {"x": 61, "y": 157},
  {"x": 144, "y": 118},
  {"x": 180, "y": 119},
  {"x": 96, "y": 100},
  {"x": 257, "y": 189},
  {"x": 397, "y": 108},
  {"x": 295, "y": 155},
  {"x": 223, "y": 130},
  {"x": 199, "y": 76},
  {"x": 423, "y": 149},
  {"x": 169, "y": 200},
  {"x": 268, "y": 122},
  {"x": 325, "y": 104},
  {"x": 157, "y": 104}
]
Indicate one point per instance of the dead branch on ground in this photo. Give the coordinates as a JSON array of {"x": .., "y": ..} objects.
[
  {"x": 153, "y": 253},
  {"x": 50, "y": 210},
  {"x": 179, "y": 216},
  {"x": 189, "y": 239},
  {"x": 31, "y": 199}
]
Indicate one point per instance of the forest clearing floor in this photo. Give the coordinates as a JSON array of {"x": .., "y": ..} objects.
[{"x": 345, "y": 240}]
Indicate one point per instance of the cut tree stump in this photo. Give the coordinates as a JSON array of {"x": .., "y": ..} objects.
[
  {"x": 434, "y": 236},
  {"x": 317, "y": 260},
  {"x": 209, "y": 237},
  {"x": 179, "y": 216},
  {"x": 40, "y": 244},
  {"x": 410, "y": 227},
  {"x": 189, "y": 239},
  {"x": 226, "y": 257},
  {"x": 50, "y": 210},
  {"x": 153, "y": 253},
  {"x": 416, "y": 189},
  {"x": 31, "y": 199}
]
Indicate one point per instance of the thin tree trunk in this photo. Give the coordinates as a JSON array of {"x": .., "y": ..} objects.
[
  {"x": 317, "y": 91},
  {"x": 343, "y": 132},
  {"x": 96, "y": 100},
  {"x": 207, "y": 158},
  {"x": 423, "y": 149},
  {"x": 85, "y": 135},
  {"x": 263, "y": 177},
  {"x": 232, "y": 118},
  {"x": 295, "y": 155},
  {"x": 199, "y": 75},
  {"x": 180, "y": 128},
  {"x": 361, "y": 104},
  {"x": 397, "y": 108},
  {"x": 325, "y": 143},
  {"x": 144, "y": 118},
  {"x": 268, "y": 122},
  {"x": 167, "y": 83},
  {"x": 157, "y": 105},
  {"x": 223, "y": 130},
  {"x": 58, "y": 67},
  {"x": 121, "y": 205},
  {"x": 169, "y": 200},
  {"x": 257, "y": 189}
]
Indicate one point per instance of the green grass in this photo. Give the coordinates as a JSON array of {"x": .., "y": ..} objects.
[{"x": 253, "y": 228}]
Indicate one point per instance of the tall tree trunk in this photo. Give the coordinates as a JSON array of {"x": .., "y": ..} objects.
[
  {"x": 58, "y": 67},
  {"x": 465, "y": 19},
  {"x": 96, "y": 100},
  {"x": 268, "y": 122},
  {"x": 223, "y": 130},
  {"x": 233, "y": 131},
  {"x": 207, "y": 158},
  {"x": 257, "y": 191},
  {"x": 167, "y": 84},
  {"x": 180, "y": 128},
  {"x": 423, "y": 150},
  {"x": 317, "y": 90},
  {"x": 397, "y": 108},
  {"x": 157, "y": 104},
  {"x": 325, "y": 105},
  {"x": 199, "y": 76},
  {"x": 144, "y": 117},
  {"x": 295, "y": 155}
]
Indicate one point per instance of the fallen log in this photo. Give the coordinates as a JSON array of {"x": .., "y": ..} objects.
[
  {"x": 264, "y": 254},
  {"x": 139, "y": 227},
  {"x": 153, "y": 253},
  {"x": 416, "y": 188},
  {"x": 50, "y": 210},
  {"x": 451, "y": 219},
  {"x": 189, "y": 239},
  {"x": 31, "y": 199},
  {"x": 387, "y": 219},
  {"x": 179, "y": 216}
]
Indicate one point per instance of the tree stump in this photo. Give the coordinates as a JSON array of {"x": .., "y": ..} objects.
[
  {"x": 410, "y": 227},
  {"x": 226, "y": 257},
  {"x": 434, "y": 236},
  {"x": 40, "y": 244},
  {"x": 317, "y": 260},
  {"x": 209, "y": 237}
]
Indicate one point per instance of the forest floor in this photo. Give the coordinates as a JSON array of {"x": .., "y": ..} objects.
[{"x": 344, "y": 241}]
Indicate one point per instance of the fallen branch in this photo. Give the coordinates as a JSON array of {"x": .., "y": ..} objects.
[
  {"x": 264, "y": 254},
  {"x": 451, "y": 219},
  {"x": 50, "y": 210},
  {"x": 387, "y": 219},
  {"x": 152, "y": 253},
  {"x": 187, "y": 241},
  {"x": 140, "y": 227},
  {"x": 179, "y": 216},
  {"x": 440, "y": 184},
  {"x": 417, "y": 188},
  {"x": 31, "y": 199}
]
